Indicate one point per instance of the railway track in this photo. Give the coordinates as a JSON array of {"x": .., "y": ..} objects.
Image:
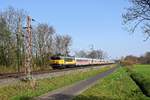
[
  {"x": 11, "y": 80},
  {"x": 21, "y": 74}
]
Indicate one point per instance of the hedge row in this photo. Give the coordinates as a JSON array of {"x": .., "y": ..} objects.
[{"x": 142, "y": 82}]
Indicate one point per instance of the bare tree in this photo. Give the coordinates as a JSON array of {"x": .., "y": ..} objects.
[
  {"x": 50, "y": 41},
  {"x": 66, "y": 42},
  {"x": 96, "y": 54},
  {"x": 62, "y": 44},
  {"x": 43, "y": 41},
  {"x": 11, "y": 16},
  {"x": 57, "y": 48},
  {"x": 138, "y": 15},
  {"x": 101, "y": 54},
  {"x": 81, "y": 54}
]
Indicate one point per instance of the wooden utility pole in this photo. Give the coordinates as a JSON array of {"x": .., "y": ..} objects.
[
  {"x": 28, "y": 56},
  {"x": 18, "y": 44}
]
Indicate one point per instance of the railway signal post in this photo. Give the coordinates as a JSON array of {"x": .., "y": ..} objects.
[{"x": 28, "y": 50}]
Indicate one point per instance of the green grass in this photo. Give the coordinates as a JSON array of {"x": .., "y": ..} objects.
[
  {"x": 142, "y": 69},
  {"x": 117, "y": 86},
  {"x": 4, "y": 69},
  {"x": 23, "y": 91}
]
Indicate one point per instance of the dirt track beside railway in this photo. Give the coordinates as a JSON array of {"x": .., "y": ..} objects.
[{"x": 68, "y": 92}]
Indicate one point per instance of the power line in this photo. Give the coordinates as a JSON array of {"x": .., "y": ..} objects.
[{"x": 18, "y": 44}]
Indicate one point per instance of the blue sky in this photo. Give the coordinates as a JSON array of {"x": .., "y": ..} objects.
[{"x": 96, "y": 22}]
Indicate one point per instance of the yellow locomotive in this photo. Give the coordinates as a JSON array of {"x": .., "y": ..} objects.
[{"x": 62, "y": 61}]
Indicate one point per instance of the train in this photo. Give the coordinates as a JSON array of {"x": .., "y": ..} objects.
[{"x": 58, "y": 62}]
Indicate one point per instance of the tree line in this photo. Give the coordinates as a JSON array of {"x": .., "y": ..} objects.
[
  {"x": 94, "y": 54},
  {"x": 130, "y": 59},
  {"x": 45, "y": 40}
]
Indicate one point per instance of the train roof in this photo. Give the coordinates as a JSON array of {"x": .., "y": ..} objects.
[
  {"x": 77, "y": 58},
  {"x": 82, "y": 58},
  {"x": 62, "y": 57},
  {"x": 88, "y": 59}
]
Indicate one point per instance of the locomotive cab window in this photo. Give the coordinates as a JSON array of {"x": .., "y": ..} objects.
[
  {"x": 55, "y": 58},
  {"x": 69, "y": 59}
]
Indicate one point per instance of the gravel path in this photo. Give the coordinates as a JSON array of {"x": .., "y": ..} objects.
[
  {"x": 12, "y": 81},
  {"x": 67, "y": 93}
]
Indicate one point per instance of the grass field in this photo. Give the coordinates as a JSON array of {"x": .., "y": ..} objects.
[
  {"x": 142, "y": 69},
  {"x": 117, "y": 86},
  {"x": 23, "y": 91}
]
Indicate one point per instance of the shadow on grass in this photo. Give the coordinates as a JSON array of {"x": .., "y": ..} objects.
[
  {"x": 72, "y": 97},
  {"x": 25, "y": 98},
  {"x": 81, "y": 97}
]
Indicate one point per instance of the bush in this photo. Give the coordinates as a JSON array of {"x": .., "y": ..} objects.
[{"x": 127, "y": 63}]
